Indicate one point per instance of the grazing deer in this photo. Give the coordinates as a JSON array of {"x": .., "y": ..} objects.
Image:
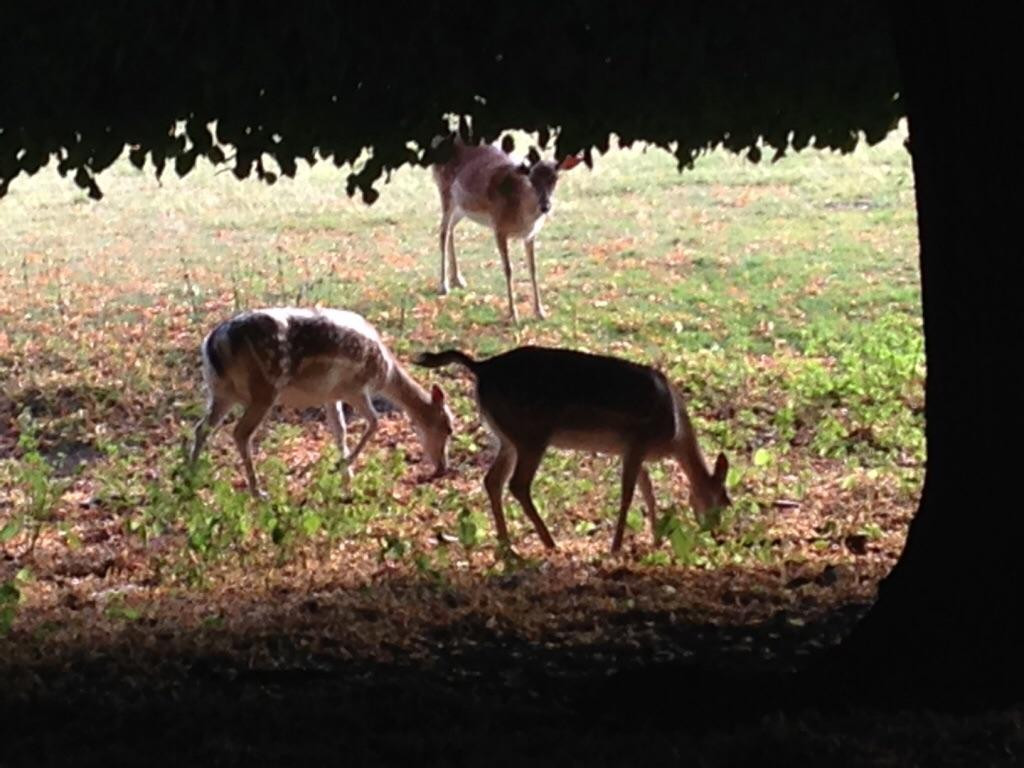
[
  {"x": 535, "y": 397},
  {"x": 483, "y": 183},
  {"x": 311, "y": 357}
]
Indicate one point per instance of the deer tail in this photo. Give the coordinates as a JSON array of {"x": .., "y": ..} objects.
[
  {"x": 447, "y": 357},
  {"x": 212, "y": 350}
]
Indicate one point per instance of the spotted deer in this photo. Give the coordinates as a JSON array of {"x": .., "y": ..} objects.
[
  {"x": 311, "y": 357},
  {"x": 535, "y": 397},
  {"x": 485, "y": 184}
]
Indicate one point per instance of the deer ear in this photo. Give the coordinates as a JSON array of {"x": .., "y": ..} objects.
[
  {"x": 436, "y": 395},
  {"x": 533, "y": 156},
  {"x": 569, "y": 162},
  {"x": 721, "y": 468}
]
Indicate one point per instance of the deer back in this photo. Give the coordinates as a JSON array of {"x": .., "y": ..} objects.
[
  {"x": 309, "y": 353},
  {"x": 568, "y": 397}
]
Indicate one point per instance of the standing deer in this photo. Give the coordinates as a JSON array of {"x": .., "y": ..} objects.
[
  {"x": 310, "y": 357},
  {"x": 535, "y": 397},
  {"x": 483, "y": 183}
]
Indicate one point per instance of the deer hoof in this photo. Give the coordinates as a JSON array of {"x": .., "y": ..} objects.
[{"x": 507, "y": 554}]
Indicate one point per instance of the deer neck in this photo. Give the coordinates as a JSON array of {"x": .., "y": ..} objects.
[
  {"x": 687, "y": 451},
  {"x": 401, "y": 389}
]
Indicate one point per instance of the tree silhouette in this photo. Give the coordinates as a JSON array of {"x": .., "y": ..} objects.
[
  {"x": 946, "y": 622},
  {"x": 257, "y": 88},
  {"x": 330, "y": 81}
]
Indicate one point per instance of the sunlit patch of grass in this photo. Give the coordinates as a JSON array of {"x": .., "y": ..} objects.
[{"x": 782, "y": 298}]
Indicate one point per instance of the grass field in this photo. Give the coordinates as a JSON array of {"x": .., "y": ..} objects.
[{"x": 784, "y": 299}]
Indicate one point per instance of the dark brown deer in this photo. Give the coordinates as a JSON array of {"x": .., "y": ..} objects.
[
  {"x": 536, "y": 397},
  {"x": 483, "y": 183},
  {"x": 311, "y": 357}
]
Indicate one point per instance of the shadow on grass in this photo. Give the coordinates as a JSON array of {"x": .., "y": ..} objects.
[{"x": 680, "y": 694}]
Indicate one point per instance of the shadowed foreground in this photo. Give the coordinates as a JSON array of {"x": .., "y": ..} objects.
[{"x": 726, "y": 696}]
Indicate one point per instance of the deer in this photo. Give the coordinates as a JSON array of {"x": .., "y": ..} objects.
[
  {"x": 512, "y": 198},
  {"x": 532, "y": 398},
  {"x": 306, "y": 358}
]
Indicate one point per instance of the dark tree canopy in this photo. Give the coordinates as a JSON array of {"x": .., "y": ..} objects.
[{"x": 320, "y": 80}]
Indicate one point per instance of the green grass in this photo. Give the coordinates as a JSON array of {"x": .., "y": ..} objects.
[{"x": 784, "y": 299}]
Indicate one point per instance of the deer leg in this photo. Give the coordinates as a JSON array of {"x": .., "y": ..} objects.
[
  {"x": 446, "y": 218},
  {"x": 652, "y": 504},
  {"x": 216, "y": 409},
  {"x": 336, "y": 422},
  {"x": 453, "y": 264},
  {"x": 631, "y": 464},
  {"x": 527, "y": 462},
  {"x": 507, "y": 266},
  {"x": 254, "y": 414},
  {"x": 364, "y": 407},
  {"x": 494, "y": 483},
  {"x": 531, "y": 261}
]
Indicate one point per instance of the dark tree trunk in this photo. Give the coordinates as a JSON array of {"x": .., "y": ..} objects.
[{"x": 948, "y": 621}]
